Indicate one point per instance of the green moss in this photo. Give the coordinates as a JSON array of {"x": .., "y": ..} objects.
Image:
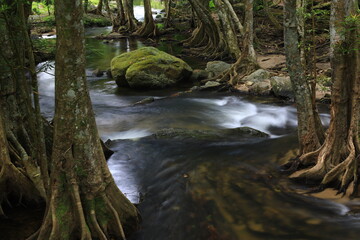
[
  {"x": 148, "y": 66},
  {"x": 102, "y": 213},
  {"x": 91, "y": 20}
]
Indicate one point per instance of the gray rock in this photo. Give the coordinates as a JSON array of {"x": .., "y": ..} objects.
[
  {"x": 281, "y": 87},
  {"x": 148, "y": 67},
  {"x": 210, "y": 135},
  {"x": 215, "y": 68},
  {"x": 145, "y": 101},
  {"x": 199, "y": 74},
  {"x": 260, "y": 88},
  {"x": 259, "y": 75},
  {"x": 98, "y": 73},
  {"x": 210, "y": 85}
]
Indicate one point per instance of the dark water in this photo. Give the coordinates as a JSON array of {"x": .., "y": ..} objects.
[{"x": 197, "y": 189}]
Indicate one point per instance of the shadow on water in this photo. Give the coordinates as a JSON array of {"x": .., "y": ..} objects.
[{"x": 224, "y": 190}]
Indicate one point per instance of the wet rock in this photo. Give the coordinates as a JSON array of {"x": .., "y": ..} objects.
[
  {"x": 199, "y": 74},
  {"x": 210, "y": 85},
  {"x": 215, "y": 68},
  {"x": 108, "y": 73},
  {"x": 210, "y": 135},
  {"x": 195, "y": 89},
  {"x": 281, "y": 87},
  {"x": 260, "y": 88},
  {"x": 145, "y": 101},
  {"x": 107, "y": 151},
  {"x": 148, "y": 67},
  {"x": 259, "y": 75},
  {"x": 98, "y": 73}
]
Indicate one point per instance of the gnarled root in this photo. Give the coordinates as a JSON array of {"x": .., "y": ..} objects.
[
  {"x": 71, "y": 215},
  {"x": 342, "y": 173},
  {"x": 241, "y": 68}
]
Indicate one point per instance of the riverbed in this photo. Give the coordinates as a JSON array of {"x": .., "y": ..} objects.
[{"x": 203, "y": 189}]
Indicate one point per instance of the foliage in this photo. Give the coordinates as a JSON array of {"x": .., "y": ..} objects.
[
  {"x": 44, "y": 45},
  {"x": 212, "y": 4},
  {"x": 43, "y": 7},
  {"x": 96, "y": 20}
]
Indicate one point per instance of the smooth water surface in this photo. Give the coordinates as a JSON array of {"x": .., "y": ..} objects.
[{"x": 198, "y": 189}]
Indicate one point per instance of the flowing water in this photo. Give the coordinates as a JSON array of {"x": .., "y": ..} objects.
[{"x": 202, "y": 189}]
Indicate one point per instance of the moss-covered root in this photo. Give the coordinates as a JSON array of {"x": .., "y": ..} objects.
[{"x": 105, "y": 215}]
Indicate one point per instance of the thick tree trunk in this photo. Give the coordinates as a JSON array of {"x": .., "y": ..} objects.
[
  {"x": 119, "y": 20},
  {"x": 207, "y": 34},
  {"x": 84, "y": 201},
  {"x": 246, "y": 63},
  {"x": 248, "y": 44},
  {"x": 108, "y": 10},
  {"x": 148, "y": 28},
  {"x": 99, "y": 7},
  {"x": 131, "y": 22},
  {"x": 309, "y": 140},
  {"x": 230, "y": 35},
  {"x": 21, "y": 121},
  {"x": 337, "y": 159}
]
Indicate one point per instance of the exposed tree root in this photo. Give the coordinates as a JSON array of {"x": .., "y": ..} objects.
[{"x": 241, "y": 68}]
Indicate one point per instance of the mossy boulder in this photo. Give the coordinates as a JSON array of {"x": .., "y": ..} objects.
[{"x": 148, "y": 67}]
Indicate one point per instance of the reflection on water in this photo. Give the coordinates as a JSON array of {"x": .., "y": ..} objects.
[{"x": 195, "y": 189}]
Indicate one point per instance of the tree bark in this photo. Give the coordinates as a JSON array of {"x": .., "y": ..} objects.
[
  {"x": 337, "y": 159},
  {"x": 131, "y": 22},
  {"x": 119, "y": 20},
  {"x": 148, "y": 28},
  {"x": 99, "y": 7},
  {"x": 84, "y": 202},
  {"x": 308, "y": 138}
]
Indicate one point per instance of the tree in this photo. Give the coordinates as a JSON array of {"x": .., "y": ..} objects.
[
  {"x": 84, "y": 202},
  {"x": 148, "y": 28},
  {"x": 131, "y": 22},
  {"x": 246, "y": 63},
  {"x": 119, "y": 20},
  {"x": 336, "y": 160},
  {"x": 23, "y": 150},
  {"x": 99, "y": 7},
  {"x": 310, "y": 131}
]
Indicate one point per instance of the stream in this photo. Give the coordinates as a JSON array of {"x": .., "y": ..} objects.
[{"x": 197, "y": 189}]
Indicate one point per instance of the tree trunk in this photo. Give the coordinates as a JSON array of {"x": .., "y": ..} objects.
[
  {"x": 99, "y": 7},
  {"x": 246, "y": 63},
  {"x": 207, "y": 37},
  {"x": 248, "y": 45},
  {"x": 119, "y": 20},
  {"x": 131, "y": 22},
  {"x": 168, "y": 13},
  {"x": 108, "y": 10},
  {"x": 337, "y": 159},
  {"x": 21, "y": 121},
  {"x": 148, "y": 28},
  {"x": 84, "y": 201},
  {"x": 86, "y": 6},
  {"x": 308, "y": 138},
  {"x": 230, "y": 35}
]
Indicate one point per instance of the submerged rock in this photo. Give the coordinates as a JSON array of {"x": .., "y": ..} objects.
[
  {"x": 211, "y": 135},
  {"x": 148, "y": 67}
]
